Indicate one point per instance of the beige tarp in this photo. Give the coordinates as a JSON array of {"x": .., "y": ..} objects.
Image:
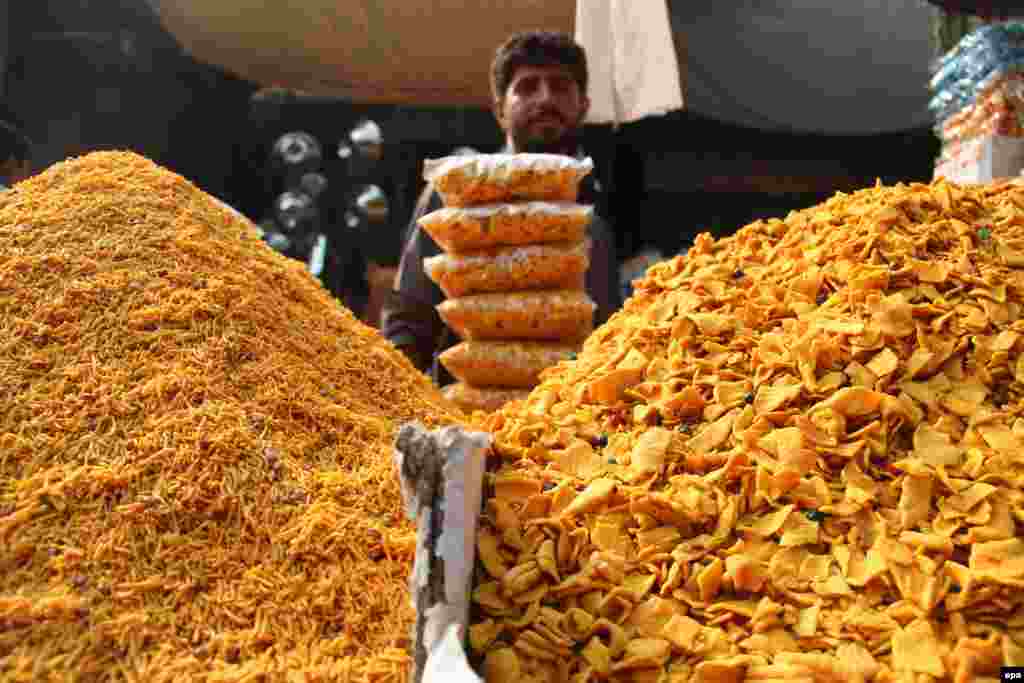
[{"x": 425, "y": 52}]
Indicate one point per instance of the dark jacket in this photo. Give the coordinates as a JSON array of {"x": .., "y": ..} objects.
[{"x": 411, "y": 321}]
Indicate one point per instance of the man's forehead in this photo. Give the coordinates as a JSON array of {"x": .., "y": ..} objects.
[{"x": 541, "y": 71}]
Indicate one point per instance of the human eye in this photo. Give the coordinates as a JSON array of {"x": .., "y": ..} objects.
[
  {"x": 561, "y": 85},
  {"x": 525, "y": 86}
]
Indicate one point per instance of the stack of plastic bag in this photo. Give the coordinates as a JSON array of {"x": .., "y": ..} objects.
[
  {"x": 515, "y": 259},
  {"x": 978, "y": 104}
]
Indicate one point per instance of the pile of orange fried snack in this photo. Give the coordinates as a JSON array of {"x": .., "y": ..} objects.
[
  {"x": 797, "y": 454},
  {"x": 195, "y": 477}
]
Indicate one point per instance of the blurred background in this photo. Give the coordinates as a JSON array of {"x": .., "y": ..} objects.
[{"x": 786, "y": 103}]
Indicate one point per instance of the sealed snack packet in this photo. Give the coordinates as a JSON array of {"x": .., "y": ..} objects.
[
  {"x": 478, "y": 227},
  {"x": 487, "y": 178},
  {"x": 504, "y": 269},
  {"x": 982, "y": 57},
  {"x": 504, "y": 363},
  {"x": 996, "y": 111},
  {"x": 488, "y": 399},
  {"x": 561, "y": 314}
]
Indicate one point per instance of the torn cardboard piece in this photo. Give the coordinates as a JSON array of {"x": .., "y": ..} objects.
[{"x": 441, "y": 476}]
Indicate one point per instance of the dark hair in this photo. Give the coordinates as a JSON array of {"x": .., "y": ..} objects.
[
  {"x": 537, "y": 48},
  {"x": 13, "y": 143}
]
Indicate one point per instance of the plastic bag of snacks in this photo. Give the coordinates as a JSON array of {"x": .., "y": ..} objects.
[
  {"x": 997, "y": 111},
  {"x": 982, "y": 56},
  {"x": 487, "y": 399},
  {"x": 557, "y": 315},
  {"x": 487, "y": 178},
  {"x": 504, "y": 269},
  {"x": 504, "y": 363},
  {"x": 462, "y": 229}
]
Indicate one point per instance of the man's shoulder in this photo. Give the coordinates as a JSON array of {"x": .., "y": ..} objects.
[
  {"x": 591, "y": 189},
  {"x": 428, "y": 201},
  {"x": 600, "y": 227},
  {"x": 593, "y": 193},
  {"x": 418, "y": 239}
]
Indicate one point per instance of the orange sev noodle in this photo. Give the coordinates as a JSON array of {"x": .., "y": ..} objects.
[{"x": 195, "y": 470}]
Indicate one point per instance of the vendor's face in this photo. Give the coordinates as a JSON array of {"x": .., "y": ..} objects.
[{"x": 542, "y": 110}]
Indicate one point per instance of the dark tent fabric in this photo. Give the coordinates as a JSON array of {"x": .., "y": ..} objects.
[
  {"x": 835, "y": 68},
  {"x": 788, "y": 65}
]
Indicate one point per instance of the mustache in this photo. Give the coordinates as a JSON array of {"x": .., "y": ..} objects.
[{"x": 548, "y": 113}]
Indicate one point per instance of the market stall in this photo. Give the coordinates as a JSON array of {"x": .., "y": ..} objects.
[
  {"x": 794, "y": 455},
  {"x": 978, "y": 99}
]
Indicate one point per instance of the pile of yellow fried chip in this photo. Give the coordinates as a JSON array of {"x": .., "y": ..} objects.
[{"x": 797, "y": 454}]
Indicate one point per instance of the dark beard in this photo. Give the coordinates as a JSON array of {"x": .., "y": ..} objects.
[{"x": 567, "y": 144}]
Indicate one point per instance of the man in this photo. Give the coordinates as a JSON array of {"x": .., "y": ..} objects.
[
  {"x": 15, "y": 150},
  {"x": 539, "y": 88}
]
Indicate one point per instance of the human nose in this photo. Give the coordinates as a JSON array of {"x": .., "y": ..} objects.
[{"x": 545, "y": 92}]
